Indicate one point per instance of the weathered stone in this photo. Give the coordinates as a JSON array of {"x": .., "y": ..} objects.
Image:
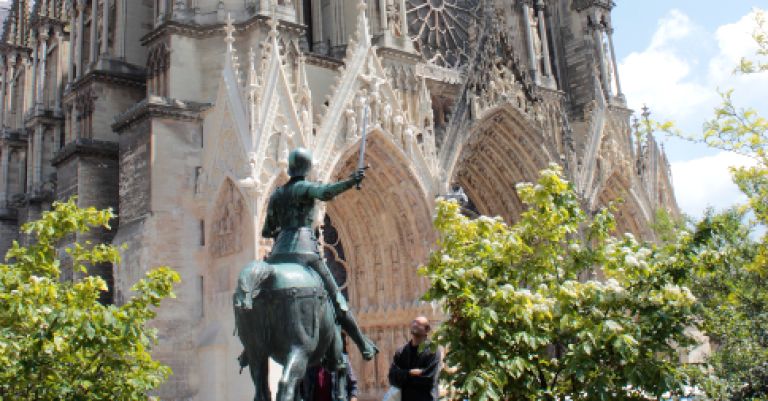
[{"x": 182, "y": 120}]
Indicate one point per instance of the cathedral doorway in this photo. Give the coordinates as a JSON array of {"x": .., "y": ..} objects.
[
  {"x": 504, "y": 150},
  {"x": 374, "y": 240}
]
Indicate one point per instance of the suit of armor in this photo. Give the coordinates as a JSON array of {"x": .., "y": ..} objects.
[{"x": 289, "y": 222}]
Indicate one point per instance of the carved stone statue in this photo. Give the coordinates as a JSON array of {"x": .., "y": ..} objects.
[
  {"x": 351, "y": 125},
  {"x": 287, "y": 306},
  {"x": 393, "y": 18},
  {"x": 534, "y": 21}
]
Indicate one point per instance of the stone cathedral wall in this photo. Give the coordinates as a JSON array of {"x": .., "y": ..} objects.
[{"x": 180, "y": 116}]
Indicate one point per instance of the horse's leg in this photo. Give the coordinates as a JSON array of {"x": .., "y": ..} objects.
[
  {"x": 293, "y": 371},
  {"x": 335, "y": 363},
  {"x": 259, "y": 367}
]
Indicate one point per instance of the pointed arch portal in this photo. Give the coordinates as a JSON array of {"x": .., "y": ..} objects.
[
  {"x": 504, "y": 150},
  {"x": 386, "y": 232}
]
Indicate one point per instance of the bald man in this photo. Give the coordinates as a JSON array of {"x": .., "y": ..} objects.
[{"x": 415, "y": 366}]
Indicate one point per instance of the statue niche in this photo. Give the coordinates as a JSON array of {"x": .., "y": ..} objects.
[{"x": 227, "y": 229}]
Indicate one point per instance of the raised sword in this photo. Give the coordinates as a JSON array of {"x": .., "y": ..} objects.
[{"x": 364, "y": 136}]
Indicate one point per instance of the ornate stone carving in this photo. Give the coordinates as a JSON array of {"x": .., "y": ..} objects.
[
  {"x": 499, "y": 77},
  {"x": 535, "y": 35},
  {"x": 351, "y": 125},
  {"x": 441, "y": 29},
  {"x": 228, "y": 162},
  {"x": 393, "y": 18},
  {"x": 227, "y": 229}
]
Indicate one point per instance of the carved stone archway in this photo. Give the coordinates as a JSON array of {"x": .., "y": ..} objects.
[
  {"x": 504, "y": 150},
  {"x": 629, "y": 213},
  {"x": 386, "y": 232}
]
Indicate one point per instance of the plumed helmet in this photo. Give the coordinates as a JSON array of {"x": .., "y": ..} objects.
[{"x": 299, "y": 162}]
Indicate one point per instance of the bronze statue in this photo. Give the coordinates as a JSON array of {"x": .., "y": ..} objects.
[{"x": 282, "y": 304}]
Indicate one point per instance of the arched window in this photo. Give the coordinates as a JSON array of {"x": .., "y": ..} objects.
[{"x": 333, "y": 251}]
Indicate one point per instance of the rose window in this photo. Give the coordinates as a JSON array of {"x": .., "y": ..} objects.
[{"x": 440, "y": 29}]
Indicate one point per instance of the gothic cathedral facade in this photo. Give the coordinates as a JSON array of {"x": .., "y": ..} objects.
[{"x": 180, "y": 114}]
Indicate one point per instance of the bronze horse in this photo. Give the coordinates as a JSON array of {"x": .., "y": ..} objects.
[
  {"x": 288, "y": 307},
  {"x": 282, "y": 311}
]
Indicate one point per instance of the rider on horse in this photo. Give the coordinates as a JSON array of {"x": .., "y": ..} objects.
[{"x": 289, "y": 222}]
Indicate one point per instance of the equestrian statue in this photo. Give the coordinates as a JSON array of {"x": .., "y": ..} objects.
[{"x": 289, "y": 307}]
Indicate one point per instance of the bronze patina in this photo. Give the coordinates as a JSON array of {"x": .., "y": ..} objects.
[{"x": 289, "y": 306}]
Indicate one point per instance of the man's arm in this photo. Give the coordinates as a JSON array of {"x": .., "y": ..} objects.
[
  {"x": 397, "y": 375},
  {"x": 429, "y": 372}
]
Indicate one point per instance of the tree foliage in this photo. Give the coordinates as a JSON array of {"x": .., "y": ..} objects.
[
  {"x": 729, "y": 264},
  {"x": 734, "y": 303},
  {"x": 57, "y": 341},
  {"x": 525, "y": 321}
]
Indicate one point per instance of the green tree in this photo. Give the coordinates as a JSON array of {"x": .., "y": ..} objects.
[
  {"x": 728, "y": 267},
  {"x": 526, "y": 322},
  {"x": 734, "y": 303},
  {"x": 57, "y": 341}
]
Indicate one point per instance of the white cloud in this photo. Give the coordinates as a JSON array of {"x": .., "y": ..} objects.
[
  {"x": 659, "y": 76},
  {"x": 735, "y": 41},
  {"x": 675, "y": 25},
  {"x": 678, "y": 76},
  {"x": 707, "y": 182},
  {"x": 670, "y": 77}
]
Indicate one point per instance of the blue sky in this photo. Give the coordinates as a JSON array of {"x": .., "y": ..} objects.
[{"x": 673, "y": 55}]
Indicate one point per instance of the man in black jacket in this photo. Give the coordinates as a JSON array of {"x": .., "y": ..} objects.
[{"x": 415, "y": 366}]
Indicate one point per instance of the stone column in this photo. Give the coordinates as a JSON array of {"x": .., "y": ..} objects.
[
  {"x": 33, "y": 84},
  {"x": 105, "y": 28},
  {"x": 299, "y": 7},
  {"x": 317, "y": 27},
  {"x": 4, "y": 158},
  {"x": 619, "y": 94},
  {"x": 120, "y": 13},
  {"x": 11, "y": 81},
  {"x": 42, "y": 60},
  {"x": 404, "y": 22},
  {"x": 79, "y": 44},
  {"x": 337, "y": 24},
  {"x": 3, "y": 100},
  {"x": 383, "y": 15},
  {"x": 597, "y": 37},
  {"x": 27, "y": 90},
  {"x": 59, "y": 35},
  {"x": 544, "y": 40},
  {"x": 57, "y": 140},
  {"x": 71, "y": 55},
  {"x": 160, "y": 12},
  {"x": 94, "y": 50},
  {"x": 529, "y": 42},
  {"x": 77, "y": 125},
  {"x": 29, "y": 163},
  {"x": 37, "y": 157}
]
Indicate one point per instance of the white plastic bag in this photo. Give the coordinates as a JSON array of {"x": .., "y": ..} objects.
[{"x": 393, "y": 394}]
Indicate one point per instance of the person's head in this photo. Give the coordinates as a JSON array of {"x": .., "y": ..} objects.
[
  {"x": 299, "y": 162},
  {"x": 420, "y": 328}
]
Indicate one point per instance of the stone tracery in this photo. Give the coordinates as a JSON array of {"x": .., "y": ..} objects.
[{"x": 441, "y": 29}]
